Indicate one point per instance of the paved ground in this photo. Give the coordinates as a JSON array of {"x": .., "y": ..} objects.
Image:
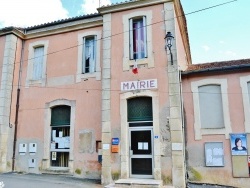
[
  {"x": 192, "y": 185},
  {"x": 15, "y": 180}
]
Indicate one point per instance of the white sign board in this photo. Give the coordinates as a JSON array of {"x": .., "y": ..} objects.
[
  {"x": 214, "y": 154},
  {"x": 140, "y": 84}
]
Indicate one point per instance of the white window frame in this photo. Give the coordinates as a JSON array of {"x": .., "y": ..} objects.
[
  {"x": 127, "y": 61},
  {"x": 246, "y": 103},
  {"x": 97, "y": 73},
  {"x": 29, "y": 78},
  {"x": 197, "y": 121}
]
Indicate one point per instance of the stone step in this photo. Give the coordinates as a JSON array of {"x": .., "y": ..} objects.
[{"x": 136, "y": 183}]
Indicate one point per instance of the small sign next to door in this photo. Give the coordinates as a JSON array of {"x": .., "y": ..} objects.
[{"x": 115, "y": 141}]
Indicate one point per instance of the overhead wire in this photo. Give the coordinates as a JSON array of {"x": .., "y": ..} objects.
[
  {"x": 185, "y": 14},
  {"x": 113, "y": 35}
]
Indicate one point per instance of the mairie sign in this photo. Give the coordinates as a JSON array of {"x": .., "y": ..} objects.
[{"x": 140, "y": 84}]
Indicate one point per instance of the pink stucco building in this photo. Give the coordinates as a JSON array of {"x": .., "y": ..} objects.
[
  {"x": 71, "y": 104},
  {"x": 216, "y": 102}
]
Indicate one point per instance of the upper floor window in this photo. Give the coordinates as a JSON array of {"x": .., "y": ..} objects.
[
  {"x": 211, "y": 108},
  {"x": 89, "y": 59},
  {"x": 36, "y": 73},
  {"x": 138, "y": 38},
  {"x": 89, "y": 50},
  {"x": 38, "y": 62},
  {"x": 137, "y": 43}
]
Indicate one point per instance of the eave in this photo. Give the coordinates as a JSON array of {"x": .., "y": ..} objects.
[{"x": 128, "y": 5}]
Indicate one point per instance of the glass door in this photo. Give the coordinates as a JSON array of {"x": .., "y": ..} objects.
[{"x": 141, "y": 152}]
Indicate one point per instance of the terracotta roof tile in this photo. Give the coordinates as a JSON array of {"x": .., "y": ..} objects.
[{"x": 214, "y": 65}]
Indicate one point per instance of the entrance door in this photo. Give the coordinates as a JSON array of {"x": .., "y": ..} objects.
[{"x": 141, "y": 152}]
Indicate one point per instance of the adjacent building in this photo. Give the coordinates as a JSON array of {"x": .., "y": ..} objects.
[
  {"x": 216, "y": 102},
  {"x": 72, "y": 102}
]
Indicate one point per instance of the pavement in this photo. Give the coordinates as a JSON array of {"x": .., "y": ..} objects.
[{"x": 21, "y": 180}]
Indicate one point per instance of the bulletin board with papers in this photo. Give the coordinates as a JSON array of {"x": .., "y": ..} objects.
[{"x": 214, "y": 154}]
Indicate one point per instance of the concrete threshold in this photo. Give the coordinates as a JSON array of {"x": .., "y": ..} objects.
[{"x": 145, "y": 183}]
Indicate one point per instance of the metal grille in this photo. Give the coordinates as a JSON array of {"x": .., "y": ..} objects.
[{"x": 140, "y": 109}]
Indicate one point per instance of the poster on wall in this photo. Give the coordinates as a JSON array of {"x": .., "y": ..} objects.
[{"x": 238, "y": 144}]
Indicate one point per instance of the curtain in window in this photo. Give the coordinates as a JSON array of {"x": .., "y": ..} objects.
[
  {"x": 89, "y": 59},
  {"x": 138, "y": 38},
  {"x": 211, "y": 109},
  {"x": 38, "y": 63}
]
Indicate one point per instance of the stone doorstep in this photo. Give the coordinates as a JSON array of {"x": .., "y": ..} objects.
[{"x": 143, "y": 183}]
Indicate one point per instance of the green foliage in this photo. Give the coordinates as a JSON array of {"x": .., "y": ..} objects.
[
  {"x": 167, "y": 180},
  {"x": 78, "y": 171},
  {"x": 115, "y": 175},
  {"x": 194, "y": 175}
]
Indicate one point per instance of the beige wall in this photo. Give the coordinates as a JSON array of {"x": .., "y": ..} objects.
[{"x": 2, "y": 46}]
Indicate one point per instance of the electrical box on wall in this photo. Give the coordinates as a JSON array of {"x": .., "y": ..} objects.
[
  {"x": 32, "y": 147},
  {"x": 32, "y": 163},
  {"x": 22, "y": 148}
]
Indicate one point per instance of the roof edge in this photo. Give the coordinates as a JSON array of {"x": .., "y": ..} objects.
[
  {"x": 217, "y": 69},
  {"x": 129, "y": 5},
  {"x": 19, "y": 32}
]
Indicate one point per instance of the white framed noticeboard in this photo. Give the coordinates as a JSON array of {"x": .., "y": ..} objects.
[{"x": 214, "y": 154}]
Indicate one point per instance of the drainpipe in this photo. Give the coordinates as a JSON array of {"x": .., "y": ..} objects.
[
  {"x": 183, "y": 122},
  {"x": 17, "y": 107}
]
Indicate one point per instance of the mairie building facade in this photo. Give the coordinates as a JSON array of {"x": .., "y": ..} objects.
[{"x": 71, "y": 103}]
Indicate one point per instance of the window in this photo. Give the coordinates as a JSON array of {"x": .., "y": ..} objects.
[
  {"x": 138, "y": 40},
  {"x": 89, "y": 48},
  {"x": 38, "y": 62},
  {"x": 60, "y": 136},
  {"x": 36, "y": 73},
  {"x": 211, "y": 110},
  {"x": 245, "y": 86},
  {"x": 137, "y": 43},
  {"x": 89, "y": 59},
  {"x": 140, "y": 109}
]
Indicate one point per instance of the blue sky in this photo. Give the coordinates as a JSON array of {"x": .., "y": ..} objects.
[{"x": 216, "y": 34}]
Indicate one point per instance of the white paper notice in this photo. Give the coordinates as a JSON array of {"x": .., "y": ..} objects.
[
  {"x": 61, "y": 144},
  {"x": 105, "y": 146},
  {"x": 53, "y": 145},
  {"x": 217, "y": 161},
  {"x": 53, "y": 135},
  {"x": 145, "y": 147},
  {"x": 140, "y": 147},
  {"x": 53, "y": 156},
  {"x": 60, "y": 133}
]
